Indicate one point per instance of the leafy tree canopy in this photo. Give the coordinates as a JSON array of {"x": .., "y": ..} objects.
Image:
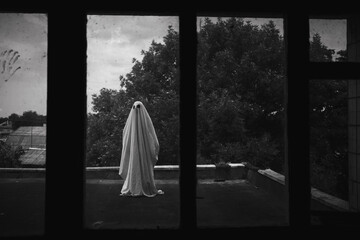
[{"x": 240, "y": 74}]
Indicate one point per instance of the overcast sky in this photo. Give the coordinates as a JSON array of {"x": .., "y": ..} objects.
[
  {"x": 332, "y": 32},
  {"x": 113, "y": 41},
  {"x": 27, "y": 89}
]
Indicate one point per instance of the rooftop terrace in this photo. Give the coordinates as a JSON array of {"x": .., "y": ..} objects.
[{"x": 239, "y": 198}]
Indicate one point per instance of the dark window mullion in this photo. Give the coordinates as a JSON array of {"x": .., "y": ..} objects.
[
  {"x": 334, "y": 70},
  {"x": 297, "y": 43},
  {"x": 188, "y": 84},
  {"x": 66, "y": 114}
]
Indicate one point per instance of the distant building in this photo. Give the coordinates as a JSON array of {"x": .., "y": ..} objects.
[
  {"x": 28, "y": 137},
  {"x": 5, "y": 130},
  {"x": 33, "y": 157},
  {"x": 33, "y": 140}
]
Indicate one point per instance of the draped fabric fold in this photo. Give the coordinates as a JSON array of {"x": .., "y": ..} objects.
[{"x": 140, "y": 149}]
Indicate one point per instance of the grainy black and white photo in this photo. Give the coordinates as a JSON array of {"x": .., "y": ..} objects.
[
  {"x": 23, "y": 103},
  {"x": 136, "y": 122}
]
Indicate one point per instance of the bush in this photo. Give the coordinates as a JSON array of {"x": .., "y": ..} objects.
[
  {"x": 330, "y": 177},
  {"x": 9, "y": 158},
  {"x": 260, "y": 152},
  {"x": 104, "y": 152},
  {"x": 263, "y": 153},
  {"x": 228, "y": 152}
]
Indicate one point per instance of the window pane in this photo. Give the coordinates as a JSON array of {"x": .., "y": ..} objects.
[
  {"x": 130, "y": 59},
  {"x": 23, "y": 97},
  {"x": 328, "y": 40},
  {"x": 329, "y": 144},
  {"x": 241, "y": 167}
]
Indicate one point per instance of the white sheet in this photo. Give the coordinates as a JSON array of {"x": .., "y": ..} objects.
[{"x": 139, "y": 154}]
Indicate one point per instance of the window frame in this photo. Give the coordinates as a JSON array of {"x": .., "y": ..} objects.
[
  {"x": 66, "y": 113},
  {"x": 323, "y": 71}
]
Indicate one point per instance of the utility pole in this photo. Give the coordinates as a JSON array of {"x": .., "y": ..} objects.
[{"x": 31, "y": 136}]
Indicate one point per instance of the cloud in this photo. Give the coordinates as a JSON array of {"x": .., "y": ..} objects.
[
  {"x": 21, "y": 28},
  {"x": 129, "y": 29},
  {"x": 148, "y": 27},
  {"x": 113, "y": 41},
  {"x": 107, "y": 61},
  {"x": 332, "y": 32},
  {"x": 39, "y": 20}
]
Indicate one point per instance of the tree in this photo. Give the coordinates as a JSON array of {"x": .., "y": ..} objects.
[
  {"x": 14, "y": 117},
  {"x": 328, "y": 142},
  {"x": 154, "y": 81},
  {"x": 342, "y": 56},
  {"x": 318, "y": 51},
  {"x": 2, "y": 119},
  {"x": 241, "y": 80},
  {"x": 104, "y": 130},
  {"x": 9, "y": 157},
  {"x": 28, "y": 118}
]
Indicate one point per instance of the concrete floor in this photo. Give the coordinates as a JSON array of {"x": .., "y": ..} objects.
[
  {"x": 237, "y": 203},
  {"x": 104, "y": 207},
  {"x": 234, "y": 203},
  {"x": 22, "y": 206}
]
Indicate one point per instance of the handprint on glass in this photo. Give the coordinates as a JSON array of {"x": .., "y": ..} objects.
[{"x": 8, "y": 64}]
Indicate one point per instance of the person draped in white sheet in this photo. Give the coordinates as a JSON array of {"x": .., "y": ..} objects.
[{"x": 140, "y": 149}]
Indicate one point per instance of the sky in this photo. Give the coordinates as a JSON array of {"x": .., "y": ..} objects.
[
  {"x": 332, "y": 31},
  {"x": 113, "y": 41},
  {"x": 27, "y": 88}
]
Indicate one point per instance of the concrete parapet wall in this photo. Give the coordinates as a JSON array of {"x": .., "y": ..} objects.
[
  {"x": 274, "y": 183},
  {"x": 206, "y": 171},
  {"x": 327, "y": 202},
  {"x": 268, "y": 180},
  {"x": 22, "y": 172}
]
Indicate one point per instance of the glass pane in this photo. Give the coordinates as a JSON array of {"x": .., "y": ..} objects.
[
  {"x": 328, "y": 40},
  {"x": 334, "y": 151},
  {"x": 23, "y": 97},
  {"x": 241, "y": 167},
  {"x": 131, "y": 59},
  {"x": 330, "y": 158}
]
